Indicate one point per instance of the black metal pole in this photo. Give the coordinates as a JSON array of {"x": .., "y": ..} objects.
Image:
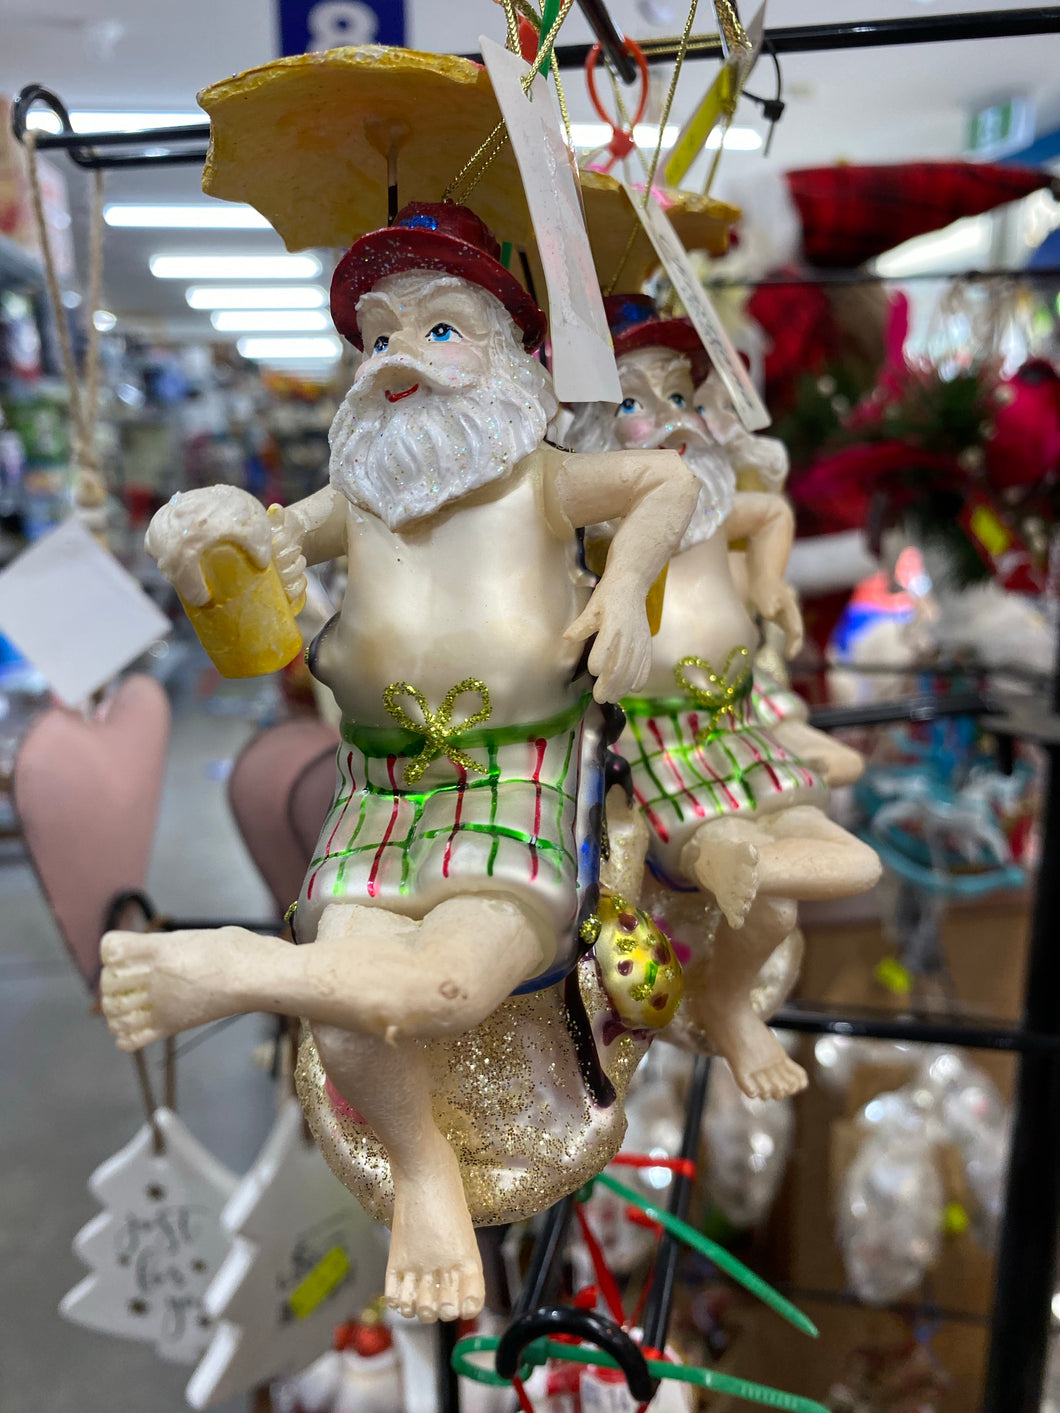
[
  {"x": 660, "y": 1298},
  {"x": 1026, "y": 1259},
  {"x": 547, "y": 1249},
  {"x": 972, "y": 1035},
  {"x": 448, "y": 1381},
  {"x": 599, "y": 20}
]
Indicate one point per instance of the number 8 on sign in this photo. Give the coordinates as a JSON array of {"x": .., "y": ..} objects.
[
  {"x": 332, "y": 23},
  {"x": 315, "y": 25}
]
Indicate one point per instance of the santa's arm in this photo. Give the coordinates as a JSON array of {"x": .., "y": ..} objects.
[
  {"x": 309, "y": 532},
  {"x": 654, "y": 494},
  {"x": 768, "y": 525},
  {"x": 193, "y": 522}
]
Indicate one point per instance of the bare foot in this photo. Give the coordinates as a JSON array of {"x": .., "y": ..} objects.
[
  {"x": 157, "y": 983},
  {"x": 756, "y": 1057},
  {"x": 728, "y": 868},
  {"x": 434, "y": 1271}
]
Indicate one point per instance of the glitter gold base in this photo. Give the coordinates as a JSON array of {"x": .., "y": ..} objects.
[{"x": 510, "y": 1100}]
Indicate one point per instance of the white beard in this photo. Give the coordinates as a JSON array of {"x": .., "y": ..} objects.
[
  {"x": 405, "y": 461},
  {"x": 717, "y": 490},
  {"x": 593, "y": 429}
]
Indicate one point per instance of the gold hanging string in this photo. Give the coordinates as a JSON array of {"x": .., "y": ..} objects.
[
  {"x": 561, "y": 99},
  {"x": 512, "y": 21},
  {"x": 733, "y": 35},
  {"x": 82, "y": 408},
  {"x": 663, "y": 120},
  {"x": 624, "y": 117},
  {"x": 474, "y": 169}
]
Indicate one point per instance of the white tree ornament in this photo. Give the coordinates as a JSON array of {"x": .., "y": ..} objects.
[
  {"x": 304, "y": 1257},
  {"x": 156, "y": 1245}
]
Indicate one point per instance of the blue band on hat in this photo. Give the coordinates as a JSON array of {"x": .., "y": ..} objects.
[{"x": 429, "y": 223}]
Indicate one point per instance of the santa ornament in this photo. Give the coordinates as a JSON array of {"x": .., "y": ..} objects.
[
  {"x": 449, "y": 1002},
  {"x": 735, "y": 810}
]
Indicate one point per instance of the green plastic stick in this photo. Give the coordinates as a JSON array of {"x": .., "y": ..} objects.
[
  {"x": 549, "y": 11},
  {"x": 543, "y": 1349},
  {"x": 721, "y": 1258}
]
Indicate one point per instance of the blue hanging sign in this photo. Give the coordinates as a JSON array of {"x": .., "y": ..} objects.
[{"x": 329, "y": 24}]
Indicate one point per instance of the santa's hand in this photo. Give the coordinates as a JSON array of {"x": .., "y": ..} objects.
[
  {"x": 621, "y": 656},
  {"x": 776, "y": 601},
  {"x": 193, "y": 522},
  {"x": 287, "y": 555}
]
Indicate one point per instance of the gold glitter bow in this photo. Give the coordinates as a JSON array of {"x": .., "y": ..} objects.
[
  {"x": 437, "y": 727},
  {"x": 722, "y": 688}
]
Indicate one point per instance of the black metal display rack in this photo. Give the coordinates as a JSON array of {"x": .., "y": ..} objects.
[{"x": 1026, "y": 1258}]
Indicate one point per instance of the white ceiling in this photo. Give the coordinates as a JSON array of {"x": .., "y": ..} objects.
[{"x": 882, "y": 104}]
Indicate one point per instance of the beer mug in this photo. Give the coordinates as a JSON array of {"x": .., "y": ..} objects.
[{"x": 248, "y": 624}]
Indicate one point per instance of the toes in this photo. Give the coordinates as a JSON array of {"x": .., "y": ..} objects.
[
  {"x": 117, "y": 978},
  {"x": 123, "y": 1002},
  {"x": 449, "y": 1295},
  {"x": 118, "y": 947},
  {"x": 427, "y": 1298},
  {"x": 472, "y": 1304},
  {"x": 135, "y": 1040},
  {"x": 406, "y": 1296}
]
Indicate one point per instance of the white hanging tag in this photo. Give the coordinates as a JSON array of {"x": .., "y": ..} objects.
[
  {"x": 156, "y": 1245},
  {"x": 75, "y": 613},
  {"x": 304, "y": 1257},
  {"x": 583, "y": 361},
  {"x": 749, "y": 406}
]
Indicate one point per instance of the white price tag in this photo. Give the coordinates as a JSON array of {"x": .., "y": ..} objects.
[
  {"x": 79, "y": 617},
  {"x": 583, "y": 361},
  {"x": 749, "y": 406}
]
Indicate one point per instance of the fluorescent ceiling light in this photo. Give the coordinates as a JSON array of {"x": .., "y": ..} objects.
[
  {"x": 41, "y": 120},
  {"x": 221, "y": 216},
  {"x": 593, "y": 135},
  {"x": 268, "y": 350},
  {"x": 265, "y": 297},
  {"x": 235, "y": 267},
  {"x": 251, "y": 321}
]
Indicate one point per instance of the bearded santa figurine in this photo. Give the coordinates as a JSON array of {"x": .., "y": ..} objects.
[
  {"x": 458, "y": 860},
  {"x": 733, "y": 809}
]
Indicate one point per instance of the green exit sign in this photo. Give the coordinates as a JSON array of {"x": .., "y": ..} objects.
[{"x": 1000, "y": 128}]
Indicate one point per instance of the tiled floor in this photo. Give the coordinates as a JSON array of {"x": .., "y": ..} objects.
[{"x": 68, "y": 1098}]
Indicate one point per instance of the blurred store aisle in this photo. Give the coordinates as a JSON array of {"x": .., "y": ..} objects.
[{"x": 68, "y": 1098}]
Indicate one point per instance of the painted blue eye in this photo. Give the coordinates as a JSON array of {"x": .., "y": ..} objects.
[
  {"x": 381, "y": 344},
  {"x": 442, "y": 333},
  {"x": 678, "y": 400},
  {"x": 629, "y": 404}
]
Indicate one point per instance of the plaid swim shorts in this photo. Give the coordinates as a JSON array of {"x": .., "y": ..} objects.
[
  {"x": 528, "y": 824},
  {"x": 691, "y": 765}
]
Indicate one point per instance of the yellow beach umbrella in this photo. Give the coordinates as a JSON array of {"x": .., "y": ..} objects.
[{"x": 313, "y": 141}]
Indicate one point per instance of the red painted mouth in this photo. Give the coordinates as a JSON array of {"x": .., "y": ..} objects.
[
  {"x": 396, "y": 397},
  {"x": 682, "y": 449}
]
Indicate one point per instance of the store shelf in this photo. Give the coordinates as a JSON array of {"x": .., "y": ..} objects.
[{"x": 18, "y": 266}]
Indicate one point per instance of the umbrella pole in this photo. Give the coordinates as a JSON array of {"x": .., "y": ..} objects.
[{"x": 391, "y": 185}]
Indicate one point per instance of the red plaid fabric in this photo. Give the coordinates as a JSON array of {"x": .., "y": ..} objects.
[{"x": 851, "y": 214}]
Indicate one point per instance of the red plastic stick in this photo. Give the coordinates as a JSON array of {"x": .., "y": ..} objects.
[{"x": 604, "y": 1279}]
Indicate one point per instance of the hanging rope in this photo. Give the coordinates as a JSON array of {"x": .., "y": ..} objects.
[{"x": 83, "y": 392}]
